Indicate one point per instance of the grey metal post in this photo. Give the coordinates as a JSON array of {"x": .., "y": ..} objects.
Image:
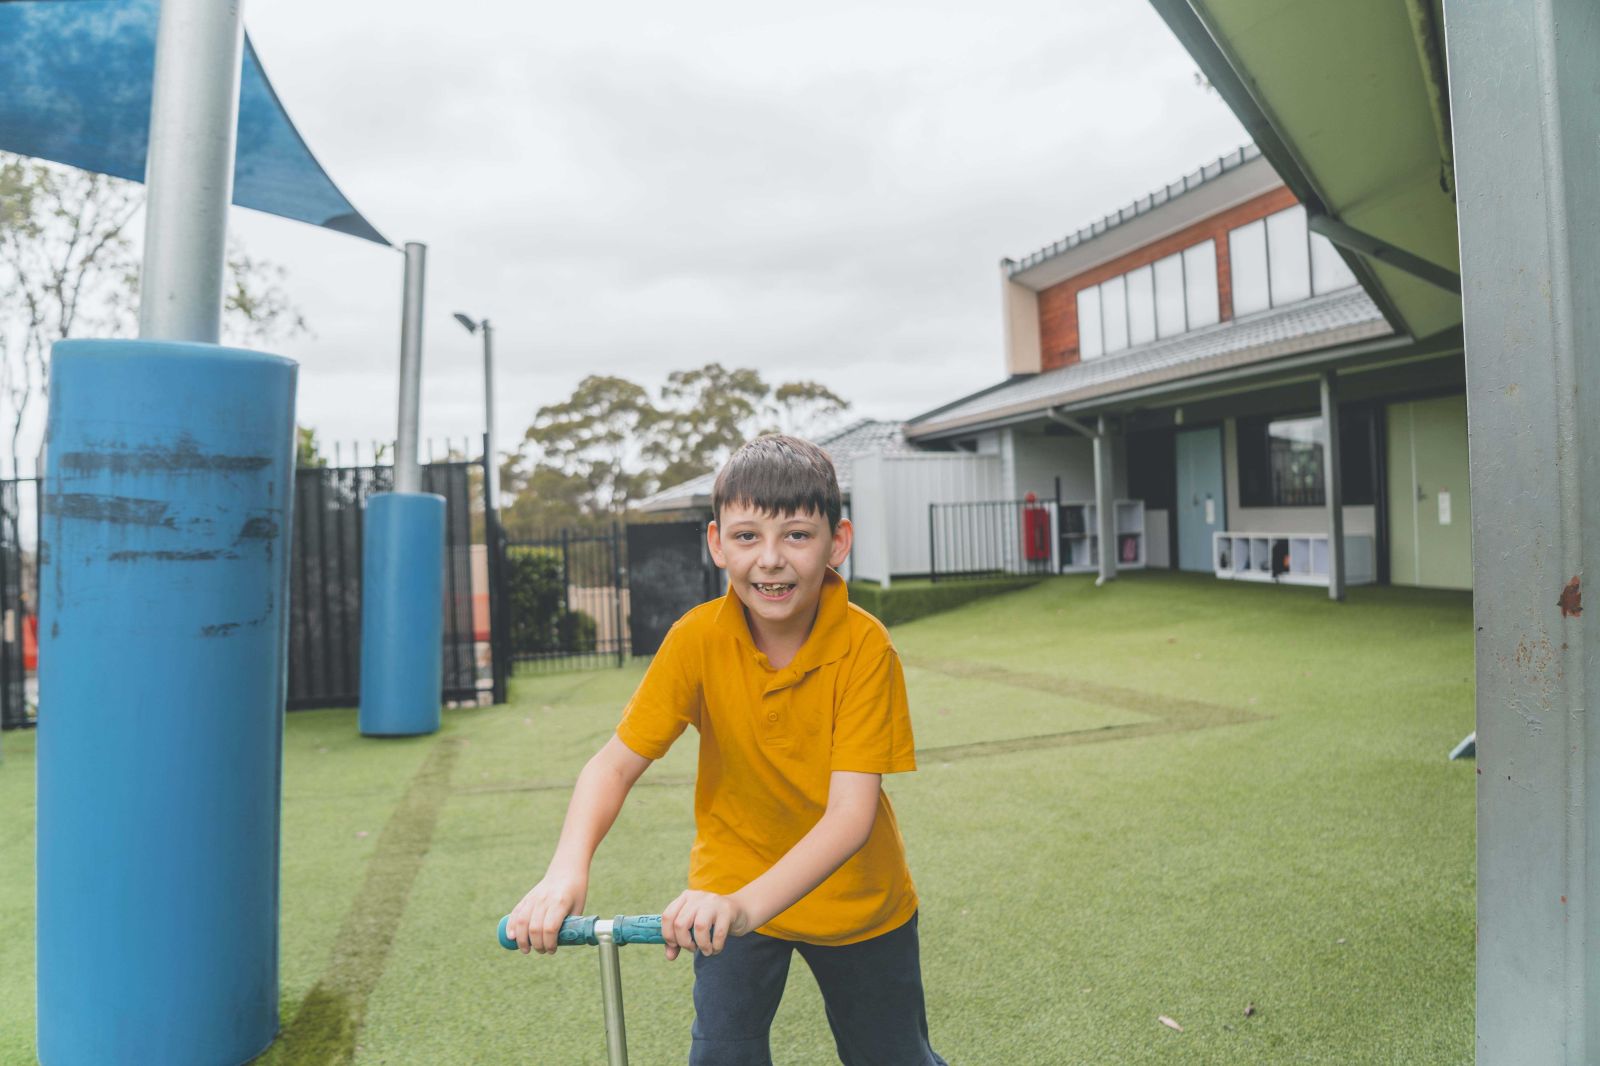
[
  {"x": 1105, "y": 503},
  {"x": 1527, "y": 155},
  {"x": 194, "y": 121},
  {"x": 407, "y": 474},
  {"x": 611, "y": 996},
  {"x": 492, "y": 468},
  {"x": 1333, "y": 486}
]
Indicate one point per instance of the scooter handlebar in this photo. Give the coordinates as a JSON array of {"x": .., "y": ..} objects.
[{"x": 580, "y": 929}]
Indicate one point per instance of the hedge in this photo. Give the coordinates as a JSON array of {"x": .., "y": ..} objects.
[{"x": 918, "y": 599}]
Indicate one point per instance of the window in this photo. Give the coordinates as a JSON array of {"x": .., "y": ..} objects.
[
  {"x": 1281, "y": 459},
  {"x": 1288, "y": 256},
  {"x": 1171, "y": 318},
  {"x": 1247, "y": 258},
  {"x": 1166, "y": 298},
  {"x": 1114, "y": 313},
  {"x": 1328, "y": 270},
  {"x": 1200, "y": 283},
  {"x": 1141, "y": 306},
  {"x": 1277, "y": 261}
]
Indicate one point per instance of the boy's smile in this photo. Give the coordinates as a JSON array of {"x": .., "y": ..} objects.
[{"x": 775, "y": 565}]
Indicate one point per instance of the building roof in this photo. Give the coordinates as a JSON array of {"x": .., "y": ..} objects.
[
  {"x": 864, "y": 437},
  {"x": 1142, "y": 206},
  {"x": 1339, "y": 318}
]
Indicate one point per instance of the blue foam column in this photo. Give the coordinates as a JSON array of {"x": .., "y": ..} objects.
[
  {"x": 162, "y": 668},
  {"x": 402, "y": 614}
]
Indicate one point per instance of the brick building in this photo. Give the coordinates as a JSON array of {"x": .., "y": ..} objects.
[{"x": 1214, "y": 345}]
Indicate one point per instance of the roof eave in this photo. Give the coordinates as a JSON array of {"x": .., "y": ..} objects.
[
  {"x": 1347, "y": 345},
  {"x": 1215, "y": 63}
]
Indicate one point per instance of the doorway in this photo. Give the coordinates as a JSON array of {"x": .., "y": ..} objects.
[{"x": 1201, "y": 506}]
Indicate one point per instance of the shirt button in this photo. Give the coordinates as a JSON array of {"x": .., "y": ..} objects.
[{"x": 772, "y": 716}]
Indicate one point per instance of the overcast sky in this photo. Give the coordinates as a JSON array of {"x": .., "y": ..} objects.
[{"x": 820, "y": 193}]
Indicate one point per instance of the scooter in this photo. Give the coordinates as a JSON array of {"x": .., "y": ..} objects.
[{"x": 608, "y": 934}]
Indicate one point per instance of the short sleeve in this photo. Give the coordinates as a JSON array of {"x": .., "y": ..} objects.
[
  {"x": 667, "y": 700},
  {"x": 872, "y": 722}
]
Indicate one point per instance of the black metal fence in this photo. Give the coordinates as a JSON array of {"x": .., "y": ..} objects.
[
  {"x": 566, "y": 599},
  {"x": 325, "y": 582},
  {"x": 19, "y": 592},
  {"x": 991, "y": 539}
]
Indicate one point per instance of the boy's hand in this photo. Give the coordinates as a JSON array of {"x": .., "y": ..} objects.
[
  {"x": 536, "y": 921},
  {"x": 702, "y": 921}
]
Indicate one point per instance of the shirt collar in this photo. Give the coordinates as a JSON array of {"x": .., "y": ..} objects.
[{"x": 829, "y": 639}]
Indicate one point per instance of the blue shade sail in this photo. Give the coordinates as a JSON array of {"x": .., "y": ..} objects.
[{"x": 75, "y": 85}]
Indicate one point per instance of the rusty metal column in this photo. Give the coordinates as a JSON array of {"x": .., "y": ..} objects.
[{"x": 1524, "y": 77}]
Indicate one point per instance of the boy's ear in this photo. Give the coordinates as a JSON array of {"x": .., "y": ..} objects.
[
  {"x": 843, "y": 536},
  {"x": 714, "y": 542}
]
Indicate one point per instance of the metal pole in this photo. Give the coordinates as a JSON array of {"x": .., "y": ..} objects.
[
  {"x": 1333, "y": 486},
  {"x": 407, "y": 474},
  {"x": 617, "y": 586},
  {"x": 194, "y": 120},
  {"x": 1105, "y": 504},
  {"x": 611, "y": 995},
  {"x": 492, "y": 465},
  {"x": 1527, "y": 156}
]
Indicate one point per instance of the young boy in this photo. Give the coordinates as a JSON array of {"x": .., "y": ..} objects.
[{"x": 800, "y": 704}]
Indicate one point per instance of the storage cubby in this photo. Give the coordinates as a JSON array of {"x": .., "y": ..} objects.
[
  {"x": 1080, "y": 536},
  {"x": 1242, "y": 556}
]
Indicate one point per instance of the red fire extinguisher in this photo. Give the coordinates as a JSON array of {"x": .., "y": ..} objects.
[{"x": 1035, "y": 530}]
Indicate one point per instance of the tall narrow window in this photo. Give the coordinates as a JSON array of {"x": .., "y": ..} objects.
[
  {"x": 1114, "y": 313},
  {"x": 1200, "y": 284},
  {"x": 1141, "y": 306},
  {"x": 1247, "y": 252},
  {"x": 1288, "y": 256},
  {"x": 1328, "y": 269},
  {"x": 1089, "y": 342},
  {"x": 1170, "y": 319}
]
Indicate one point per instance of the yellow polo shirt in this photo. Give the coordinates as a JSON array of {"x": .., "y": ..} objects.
[{"x": 769, "y": 739}]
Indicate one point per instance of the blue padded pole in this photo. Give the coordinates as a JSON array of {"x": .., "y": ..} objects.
[
  {"x": 402, "y": 614},
  {"x": 162, "y": 637}
]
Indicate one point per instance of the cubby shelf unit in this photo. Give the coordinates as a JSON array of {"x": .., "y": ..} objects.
[
  {"x": 1241, "y": 556},
  {"x": 1080, "y": 536}
]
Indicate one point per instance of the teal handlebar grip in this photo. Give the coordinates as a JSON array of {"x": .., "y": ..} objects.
[
  {"x": 579, "y": 929},
  {"x": 637, "y": 929}
]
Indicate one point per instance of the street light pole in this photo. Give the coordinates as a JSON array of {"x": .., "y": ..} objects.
[
  {"x": 499, "y": 650},
  {"x": 491, "y": 463}
]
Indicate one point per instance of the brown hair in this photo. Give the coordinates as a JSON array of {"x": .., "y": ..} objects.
[{"x": 779, "y": 475}]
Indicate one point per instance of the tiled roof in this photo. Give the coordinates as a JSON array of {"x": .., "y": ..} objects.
[
  {"x": 1341, "y": 317},
  {"x": 1193, "y": 180},
  {"x": 866, "y": 437}
]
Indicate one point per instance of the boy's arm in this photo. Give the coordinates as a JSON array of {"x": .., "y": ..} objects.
[
  {"x": 596, "y": 798},
  {"x": 843, "y": 829}
]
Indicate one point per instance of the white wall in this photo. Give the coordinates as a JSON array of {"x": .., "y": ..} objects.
[
  {"x": 889, "y": 497},
  {"x": 1039, "y": 458}
]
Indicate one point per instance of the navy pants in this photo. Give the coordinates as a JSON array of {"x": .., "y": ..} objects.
[{"x": 872, "y": 992}]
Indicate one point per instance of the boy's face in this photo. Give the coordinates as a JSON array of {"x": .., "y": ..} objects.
[{"x": 776, "y": 563}]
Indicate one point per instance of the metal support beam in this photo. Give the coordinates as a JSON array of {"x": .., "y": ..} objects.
[
  {"x": 1071, "y": 423},
  {"x": 491, "y": 471},
  {"x": 194, "y": 122},
  {"x": 1105, "y": 503},
  {"x": 1523, "y": 81},
  {"x": 1365, "y": 244},
  {"x": 1333, "y": 486},
  {"x": 407, "y": 474}
]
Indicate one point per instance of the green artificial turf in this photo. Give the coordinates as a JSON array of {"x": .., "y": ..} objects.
[{"x": 1171, "y": 796}]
